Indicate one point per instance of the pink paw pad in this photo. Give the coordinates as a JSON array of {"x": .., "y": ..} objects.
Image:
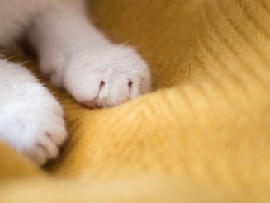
[{"x": 91, "y": 104}]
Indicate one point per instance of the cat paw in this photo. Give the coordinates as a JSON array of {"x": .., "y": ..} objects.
[
  {"x": 107, "y": 77},
  {"x": 34, "y": 126}
]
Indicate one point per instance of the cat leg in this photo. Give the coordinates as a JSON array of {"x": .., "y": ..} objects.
[
  {"x": 31, "y": 120},
  {"x": 75, "y": 55}
]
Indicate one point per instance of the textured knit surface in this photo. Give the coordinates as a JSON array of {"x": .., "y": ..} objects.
[{"x": 203, "y": 135}]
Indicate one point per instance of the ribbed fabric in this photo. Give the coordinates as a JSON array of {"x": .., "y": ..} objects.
[{"x": 204, "y": 130}]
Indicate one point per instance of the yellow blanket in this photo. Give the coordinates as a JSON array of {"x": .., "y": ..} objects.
[{"x": 203, "y": 135}]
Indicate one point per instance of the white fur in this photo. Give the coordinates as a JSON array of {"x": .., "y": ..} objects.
[
  {"x": 73, "y": 54},
  {"x": 31, "y": 120}
]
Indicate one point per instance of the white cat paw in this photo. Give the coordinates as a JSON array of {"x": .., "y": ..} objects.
[
  {"x": 106, "y": 77},
  {"x": 34, "y": 126}
]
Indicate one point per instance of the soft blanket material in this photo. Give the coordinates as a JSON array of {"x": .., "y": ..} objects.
[{"x": 203, "y": 135}]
